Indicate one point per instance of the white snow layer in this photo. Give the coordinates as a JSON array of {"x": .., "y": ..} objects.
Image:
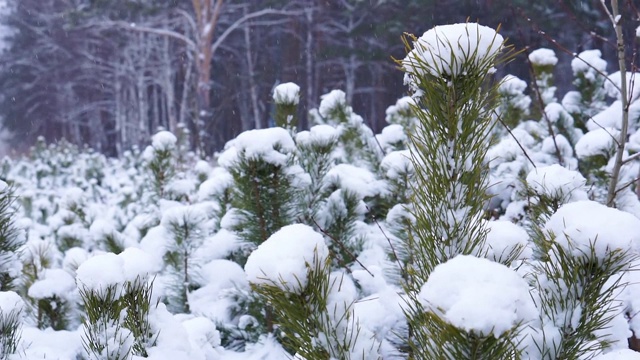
[
  {"x": 556, "y": 181},
  {"x": 110, "y": 270},
  {"x": 444, "y": 50},
  {"x": 589, "y": 62},
  {"x": 601, "y": 141},
  {"x": 478, "y": 295},
  {"x": 287, "y": 93},
  {"x": 284, "y": 258},
  {"x": 543, "y": 57},
  {"x": 164, "y": 141},
  {"x": 260, "y": 144},
  {"x": 505, "y": 237},
  {"x": 580, "y": 225},
  {"x": 332, "y": 101}
]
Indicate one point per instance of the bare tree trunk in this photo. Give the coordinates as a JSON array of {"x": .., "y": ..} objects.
[
  {"x": 309, "y": 68},
  {"x": 252, "y": 81}
]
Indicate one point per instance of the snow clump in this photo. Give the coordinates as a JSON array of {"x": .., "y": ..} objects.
[
  {"x": 283, "y": 259},
  {"x": 260, "y": 144},
  {"x": 556, "y": 181},
  {"x": 581, "y": 225},
  {"x": 543, "y": 57},
  {"x": 164, "y": 141},
  {"x": 287, "y": 93},
  {"x": 330, "y": 102},
  {"x": 478, "y": 295},
  {"x": 445, "y": 50}
]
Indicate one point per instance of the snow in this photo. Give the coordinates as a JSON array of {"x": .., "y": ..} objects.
[
  {"x": 287, "y": 93},
  {"x": 444, "y": 50},
  {"x": 638, "y": 32},
  {"x": 580, "y": 225},
  {"x": 589, "y": 62},
  {"x": 110, "y": 270},
  {"x": 543, "y": 57},
  {"x": 332, "y": 101},
  {"x": 164, "y": 141},
  {"x": 318, "y": 135},
  {"x": 260, "y": 144},
  {"x": 556, "y": 181},
  {"x": 284, "y": 258},
  {"x": 478, "y": 295},
  {"x": 512, "y": 85},
  {"x": 600, "y": 141},
  {"x": 612, "y": 86},
  {"x": 397, "y": 164},
  {"x": 503, "y": 238},
  {"x": 622, "y": 354},
  {"x": 356, "y": 180},
  {"x": 54, "y": 282},
  {"x": 11, "y": 302}
]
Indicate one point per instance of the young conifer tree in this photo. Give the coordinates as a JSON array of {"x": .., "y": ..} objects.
[{"x": 448, "y": 71}]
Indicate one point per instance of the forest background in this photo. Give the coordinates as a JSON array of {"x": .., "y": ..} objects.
[{"x": 110, "y": 73}]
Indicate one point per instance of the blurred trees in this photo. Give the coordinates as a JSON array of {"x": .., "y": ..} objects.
[{"x": 108, "y": 73}]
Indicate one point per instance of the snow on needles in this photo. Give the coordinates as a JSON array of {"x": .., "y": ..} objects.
[
  {"x": 271, "y": 145},
  {"x": 446, "y": 50},
  {"x": 287, "y": 93},
  {"x": 283, "y": 259},
  {"x": 478, "y": 295},
  {"x": 581, "y": 225},
  {"x": 108, "y": 270}
]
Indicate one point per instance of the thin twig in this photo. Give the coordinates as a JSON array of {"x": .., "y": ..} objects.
[
  {"x": 341, "y": 245},
  {"x": 514, "y": 138},
  {"x": 393, "y": 250}
]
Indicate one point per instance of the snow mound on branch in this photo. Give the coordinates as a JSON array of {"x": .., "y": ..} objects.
[
  {"x": 356, "y": 180},
  {"x": 164, "y": 141},
  {"x": 543, "y": 57},
  {"x": 589, "y": 62},
  {"x": 580, "y": 225},
  {"x": 397, "y": 164},
  {"x": 556, "y": 181},
  {"x": 597, "y": 142},
  {"x": 503, "y": 238},
  {"x": 332, "y": 101},
  {"x": 54, "y": 282},
  {"x": 478, "y": 295},
  {"x": 283, "y": 259},
  {"x": 621, "y": 354},
  {"x": 613, "y": 86},
  {"x": 287, "y": 93},
  {"x": 447, "y": 49},
  {"x": 260, "y": 144},
  {"x": 319, "y": 134},
  {"x": 10, "y": 301},
  {"x": 108, "y": 270}
]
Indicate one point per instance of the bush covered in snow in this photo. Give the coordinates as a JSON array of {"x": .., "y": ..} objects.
[{"x": 478, "y": 227}]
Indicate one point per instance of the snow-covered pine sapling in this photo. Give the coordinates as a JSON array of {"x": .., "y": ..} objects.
[
  {"x": 286, "y": 98},
  {"x": 579, "y": 281},
  {"x": 562, "y": 124},
  {"x": 267, "y": 183},
  {"x": 116, "y": 294},
  {"x": 514, "y": 105},
  {"x": 402, "y": 113},
  {"x": 316, "y": 154},
  {"x": 185, "y": 230},
  {"x": 590, "y": 74},
  {"x": 546, "y": 189},
  {"x": 55, "y": 296},
  {"x": 11, "y": 239},
  {"x": 543, "y": 62},
  {"x": 347, "y": 188},
  {"x": 11, "y": 311},
  {"x": 472, "y": 308},
  {"x": 311, "y": 306},
  {"x": 357, "y": 142},
  {"x": 218, "y": 190},
  {"x": 447, "y": 70},
  {"x": 160, "y": 156}
]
